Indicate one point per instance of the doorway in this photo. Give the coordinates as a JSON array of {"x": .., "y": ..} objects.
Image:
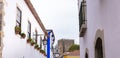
[
  {"x": 86, "y": 55},
  {"x": 99, "y": 49}
]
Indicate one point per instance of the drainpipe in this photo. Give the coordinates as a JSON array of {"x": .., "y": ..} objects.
[{"x": 48, "y": 45}]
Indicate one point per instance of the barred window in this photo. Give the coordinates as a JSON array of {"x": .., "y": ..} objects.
[
  {"x": 0, "y": 22},
  {"x": 1, "y": 5},
  {"x": 29, "y": 29},
  {"x": 19, "y": 15},
  {"x": 0, "y": 39},
  {"x": 36, "y": 33}
]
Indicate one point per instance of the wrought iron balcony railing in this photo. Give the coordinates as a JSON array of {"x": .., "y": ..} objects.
[{"x": 82, "y": 19}]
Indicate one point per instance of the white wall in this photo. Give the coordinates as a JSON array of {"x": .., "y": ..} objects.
[
  {"x": 14, "y": 46},
  {"x": 104, "y": 15}
]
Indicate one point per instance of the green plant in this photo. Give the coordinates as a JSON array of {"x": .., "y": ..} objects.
[
  {"x": 17, "y": 30},
  {"x": 23, "y": 35},
  {"x": 45, "y": 54},
  {"x": 42, "y": 51},
  {"x": 40, "y": 47},
  {"x": 32, "y": 42},
  {"x": 74, "y": 47},
  {"x": 29, "y": 40},
  {"x": 36, "y": 46}
]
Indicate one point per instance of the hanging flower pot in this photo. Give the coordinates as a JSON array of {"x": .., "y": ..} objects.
[
  {"x": 45, "y": 54},
  {"x": 17, "y": 30},
  {"x": 42, "y": 51},
  {"x": 36, "y": 46},
  {"x": 29, "y": 40},
  {"x": 23, "y": 35},
  {"x": 32, "y": 42}
]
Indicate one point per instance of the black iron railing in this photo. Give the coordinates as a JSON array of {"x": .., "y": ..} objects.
[{"x": 82, "y": 14}]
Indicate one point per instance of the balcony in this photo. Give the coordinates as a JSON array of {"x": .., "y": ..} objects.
[{"x": 82, "y": 19}]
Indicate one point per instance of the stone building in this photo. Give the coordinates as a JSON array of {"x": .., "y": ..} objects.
[{"x": 64, "y": 45}]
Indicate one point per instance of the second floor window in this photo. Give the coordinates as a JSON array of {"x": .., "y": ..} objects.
[
  {"x": 82, "y": 13},
  {"x": 1, "y": 7},
  {"x": 0, "y": 22},
  {"x": 40, "y": 42},
  {"x": 36, "y": 35},
  {"x": 0, "y": 27},
  {"x": 0, "y": 39},
  {"x": 19, "y": 17},
  {"x": 29, "y": 29}
]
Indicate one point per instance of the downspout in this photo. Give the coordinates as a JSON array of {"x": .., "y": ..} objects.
[{"x": 48, "y": 45}]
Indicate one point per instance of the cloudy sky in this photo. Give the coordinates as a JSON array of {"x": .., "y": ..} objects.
[{"x": 61, "y": 16}]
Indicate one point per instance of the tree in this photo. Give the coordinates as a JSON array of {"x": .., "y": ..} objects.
[{"x": 74, "y": 47}]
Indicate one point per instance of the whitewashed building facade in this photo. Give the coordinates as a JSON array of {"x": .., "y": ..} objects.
[
  {"x": 99, "y": 28},
  {"x": 19, "y": 13}
]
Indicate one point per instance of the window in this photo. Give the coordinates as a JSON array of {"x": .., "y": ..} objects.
[
  {"x": 19, "y": 15},
  {"x": 82, "y": 13},
  {"x": 36, "y": 36},
  {"x": 0, "y": 28},
  {"x": 1, "y": 5},
  {"x": 29, "y": 29},
  {"x": 0, "y": 22},
  {"x": 40, "y": 42},
  {"x": 82, "y": 19},
  {"x": 0, "y": 39}
]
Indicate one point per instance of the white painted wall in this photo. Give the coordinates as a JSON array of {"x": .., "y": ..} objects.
[
  {"x": 14, "y": 46},
  {"x": 104, "y": 15}
]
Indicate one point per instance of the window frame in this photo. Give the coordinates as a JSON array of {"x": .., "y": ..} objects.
[
  {"x": 29, "y": 30},
  {"x": 1, "y": 22},
  {"x": 36, "y": 34},
  {"x": 19, "y": 18},
  {"x": 41, "y": 42}
]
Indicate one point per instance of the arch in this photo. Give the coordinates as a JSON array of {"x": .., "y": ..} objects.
[{"x": 99, "y": 46}]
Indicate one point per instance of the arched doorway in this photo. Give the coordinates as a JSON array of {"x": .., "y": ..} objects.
[
  {"x": 98, "y": 49},
  {"x": 86, "y": 55}
]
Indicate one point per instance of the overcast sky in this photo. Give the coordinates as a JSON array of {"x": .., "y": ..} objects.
[{"x": 61, "y": 16}]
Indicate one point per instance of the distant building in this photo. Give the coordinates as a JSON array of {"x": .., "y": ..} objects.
[{"x": 64, "y": 45}]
